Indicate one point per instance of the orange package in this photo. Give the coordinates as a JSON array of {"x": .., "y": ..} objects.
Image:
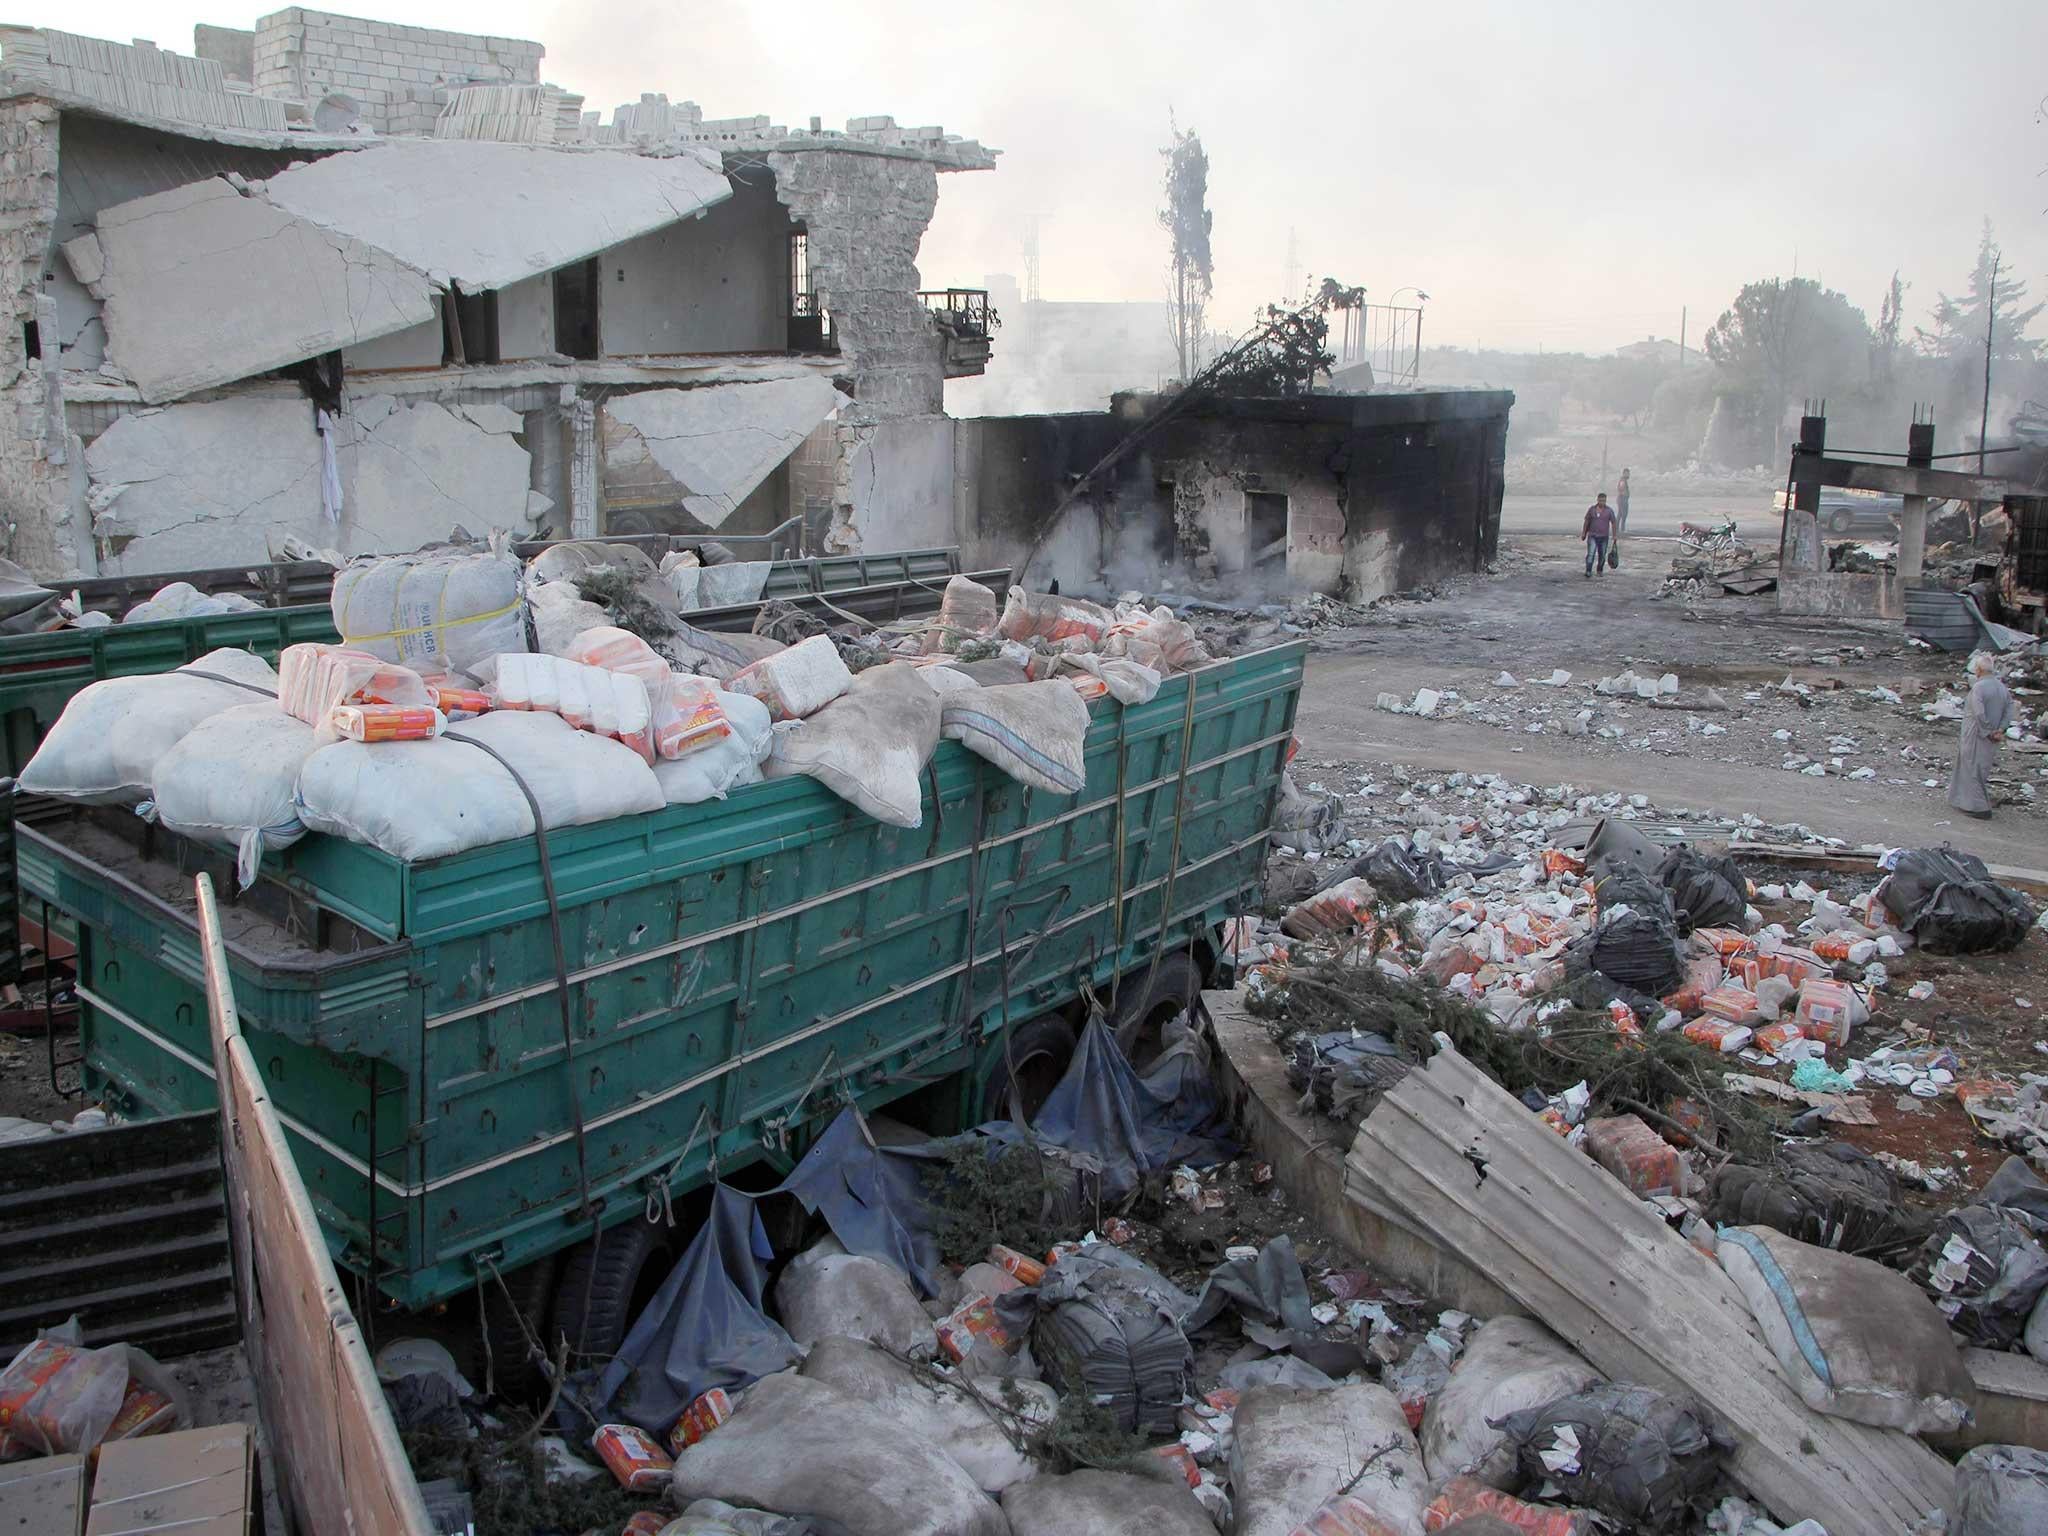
[
  {"x": 972, "y": 1320},
  {"x": 1719, "y": 1035},
  {"x": 1557, "y": 862},
  {"x": 1775, "y": 1037},
  {"x": 1735, "y": 1005},
  {"x": 56, "y": 1399},
  {"x": 706, "y": 1412},
  {"x": 635, "y": 1460},
  {"x": 1464, "y": 1498},
  {"x": 1795, "y": 964},
  {"x": 1634, "y": 1154},
  {"x": 1825, "y": 1010},
  {"x": 1726, "y": 942},
  {"x": 1027, "y": 1270},
  {"x": 1345, "y": 1515},
  {"x": 647, "y": 1522},
  {"x": 1833, "y": 947},
  {"x": 386, "y": 722},
  {"x": 458, "y": 701},
  {"x": 143, "y": 1412},
  {"x": 1182, "y": 1460}
]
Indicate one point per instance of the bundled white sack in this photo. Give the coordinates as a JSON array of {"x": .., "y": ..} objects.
[
  {"x": 232, "y": 781},
  {"x": 738, "y": 581},
  {"x": 1855, "y": 1339},
  {"x": 823, "y": 1294},
  {"x": 560, "y": 615},
  {"x": 436, "y": 611},
  {"x": 870, "y": 746},
  {"x": 428, "y": 799},
  {"x": 798, "y": 681},
  {"x": 1034, "y": 732},
  {"x": 104, "y": 748},
  {"x": 800, "y": 1447},
  {"x": 712, "y": 772},
  {"x": 572, "y": 557},
  {"x": 594, "y": 699},
  {"x": 1511, "y": 1364},
  {"x": 182, "y": 600}
]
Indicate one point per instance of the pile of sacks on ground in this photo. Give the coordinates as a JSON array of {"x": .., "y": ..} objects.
[{"x": 470, "y": 697}]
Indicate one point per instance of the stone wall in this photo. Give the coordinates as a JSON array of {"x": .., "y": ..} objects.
[
  {"x": 34, "y": 453},
  {"x": 382, "y": 65}
]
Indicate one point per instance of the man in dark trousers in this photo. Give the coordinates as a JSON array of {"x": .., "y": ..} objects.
[
  {"x": 1621, "y": 504},
  {"x": 1598, "y": 534}
]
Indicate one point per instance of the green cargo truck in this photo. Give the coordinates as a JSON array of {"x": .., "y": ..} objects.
[{"x": 482, "y": 1060}]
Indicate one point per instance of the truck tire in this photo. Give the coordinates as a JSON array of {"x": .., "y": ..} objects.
[
  {"x": 1142, "y": 1010},
  {"x": 1040, "y": 1049},
  {"x": 532, "y": 1286},
  {"x": 604, "y": 1283}
]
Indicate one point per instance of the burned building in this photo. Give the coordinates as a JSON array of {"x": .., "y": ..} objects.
[
  {"x": 1356, "y": 496},
  {"x": 355, "y": 284}
]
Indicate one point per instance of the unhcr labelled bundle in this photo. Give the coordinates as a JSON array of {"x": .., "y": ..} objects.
[{"x": 435, "y": 728}]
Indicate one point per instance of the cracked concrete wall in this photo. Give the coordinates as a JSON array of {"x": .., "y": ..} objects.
[
  {"x": 35, "y": 451},
  {"x": 866, "y": 216},
  {"x": 704, "y": 450},
  {"x": 718, "y": 283},
  {"x": 222, "y": 481},
  {"x": 900, "y": 484}
]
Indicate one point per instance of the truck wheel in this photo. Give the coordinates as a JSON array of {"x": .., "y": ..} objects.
[
  {"x": 532, "y": 1286},
  {"x": 604, "y": 1284},
  {"x": 1040, "y": 1049},
  {"x": 1142, "y": 1011}
]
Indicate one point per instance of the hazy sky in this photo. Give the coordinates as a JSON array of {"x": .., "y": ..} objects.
[{"x": 1563, "y": 174}]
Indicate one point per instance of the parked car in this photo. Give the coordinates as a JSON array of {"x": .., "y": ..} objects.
[{"x": 1863, "y": 512}]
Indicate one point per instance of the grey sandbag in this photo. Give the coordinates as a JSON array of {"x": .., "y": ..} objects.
[
  {"x": 1399, "y": 872},
  {"x": 1642, "y": 1457},
  {"x": 1830, "y": 1193},
  {"x": 2017, "y": 1185},
  {"x": 1269, "y": 1288},
  {"x": 1705, "y": 893},
  {"x": 1985, "y": 1269},
  {"x": 1107, "y": 1324},
  {"x": 1292, "y": 1449},
  {"x": 1950, "y": 904},
  {"x": 704, "y": 1328},
  {"x": 1346, "y": 1072},
  {"x": 800, "y": 1447},
  {"x": 1635, "y": 935},
  {"x": 1511, "y": 1364},
  {"x": 1615, "y": 846},
  {"x": 1134, "y": 1125},
  {"x": 1310, "y": 821},
  {"x": 1094, "y": 1503},
  {"x": 824, "y": 1295},
  {"x": 2001, "y": 1490},
  {"x": 974, "y": 1434}
]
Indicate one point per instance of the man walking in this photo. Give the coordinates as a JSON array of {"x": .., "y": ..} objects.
[
  {"x": 1597, "y": 533},
  {"x": 1621, "y": 504}
]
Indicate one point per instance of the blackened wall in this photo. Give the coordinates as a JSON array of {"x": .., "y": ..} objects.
[{"x": 1384, "y": 492}]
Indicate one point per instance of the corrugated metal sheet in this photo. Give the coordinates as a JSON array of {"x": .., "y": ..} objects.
[{"x": 1944, "y": 619}]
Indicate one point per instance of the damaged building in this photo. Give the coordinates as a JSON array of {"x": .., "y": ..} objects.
[
  {"x": 1352, "y": 495},
  {"x": 354, "y": 285}
]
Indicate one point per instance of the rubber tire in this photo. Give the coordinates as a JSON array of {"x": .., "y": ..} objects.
[
  {"x": 612, "y": 1269},
  {"x": 1841, "y": 520},
  {"x": 1141, "y": 1009},
  {"x": 533, "y": 1292},
  {"x": 1040, "y": 1048}
]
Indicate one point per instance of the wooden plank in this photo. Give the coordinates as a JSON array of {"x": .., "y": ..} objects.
[
  {"x": 331, "y": 1435},
  {"x": 2033, "y": 881},
  {"x": 1452, "y": 1153}
]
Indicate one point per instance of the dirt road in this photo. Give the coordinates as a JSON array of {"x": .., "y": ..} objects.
[{"x": 1542, "y": 613}]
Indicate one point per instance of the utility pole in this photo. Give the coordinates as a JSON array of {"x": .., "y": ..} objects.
[{"x": 1984, "y": 417}]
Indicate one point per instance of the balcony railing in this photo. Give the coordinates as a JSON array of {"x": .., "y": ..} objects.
[{"x": 967, "y": 322}]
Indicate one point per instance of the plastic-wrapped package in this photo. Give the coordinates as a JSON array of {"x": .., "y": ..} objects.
[
  {"x": 57, "y": 1398},
  {"x": 435, "y": 610},
  {"x": 590, "y": 698},
  {"x": 798, "y": 681},
  {"x": 1044, "y": 616},
  {"x": 313, "y": 678}
]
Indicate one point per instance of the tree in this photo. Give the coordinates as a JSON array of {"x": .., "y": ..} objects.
[
  {"x": 1785, "y": 337},
  {"x": 1959, "y": 323},
  {"x": 1186, "y": 219},
  {"x": 1623, "y": 386},
  {"x": 1884, "y": 340}
]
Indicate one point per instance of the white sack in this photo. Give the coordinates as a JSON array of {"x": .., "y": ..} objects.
[
  {"x": 427, "y": 799},
  {"x": 232, "y": 781},
  {"x": 1092, "y": 1503},
  {"x": 560, "y": 615},
  {"x": 843, "y": 1295},
  {"x": 435, "y": 611},
  {"x": 572, "y": 557},
  {"x": 1034, "y": 732},
  {"x": 728, "y": 585},
  {"x": 800, "y": 1447},
  {"x": 1511, "y": 1364},
  {"x": 711, "y": 773},
  {"x": 182, "y": 600},
  {"x": 798, "y": 681},
  {"x": 1293, "y": 1447},
  {"x": 105, "y": 747},
  {"x": 935, "y": 1411},
  {"x": 1856, "y": 1339},
  {"x": 869, "y": 747}
]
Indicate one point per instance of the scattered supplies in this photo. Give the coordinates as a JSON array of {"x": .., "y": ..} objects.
[{"x": 633, "y": 1456}]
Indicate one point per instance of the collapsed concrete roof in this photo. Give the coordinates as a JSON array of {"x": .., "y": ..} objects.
[
  {"x": 709, "y": 447},
  {"x": 223, "y": 279}
]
